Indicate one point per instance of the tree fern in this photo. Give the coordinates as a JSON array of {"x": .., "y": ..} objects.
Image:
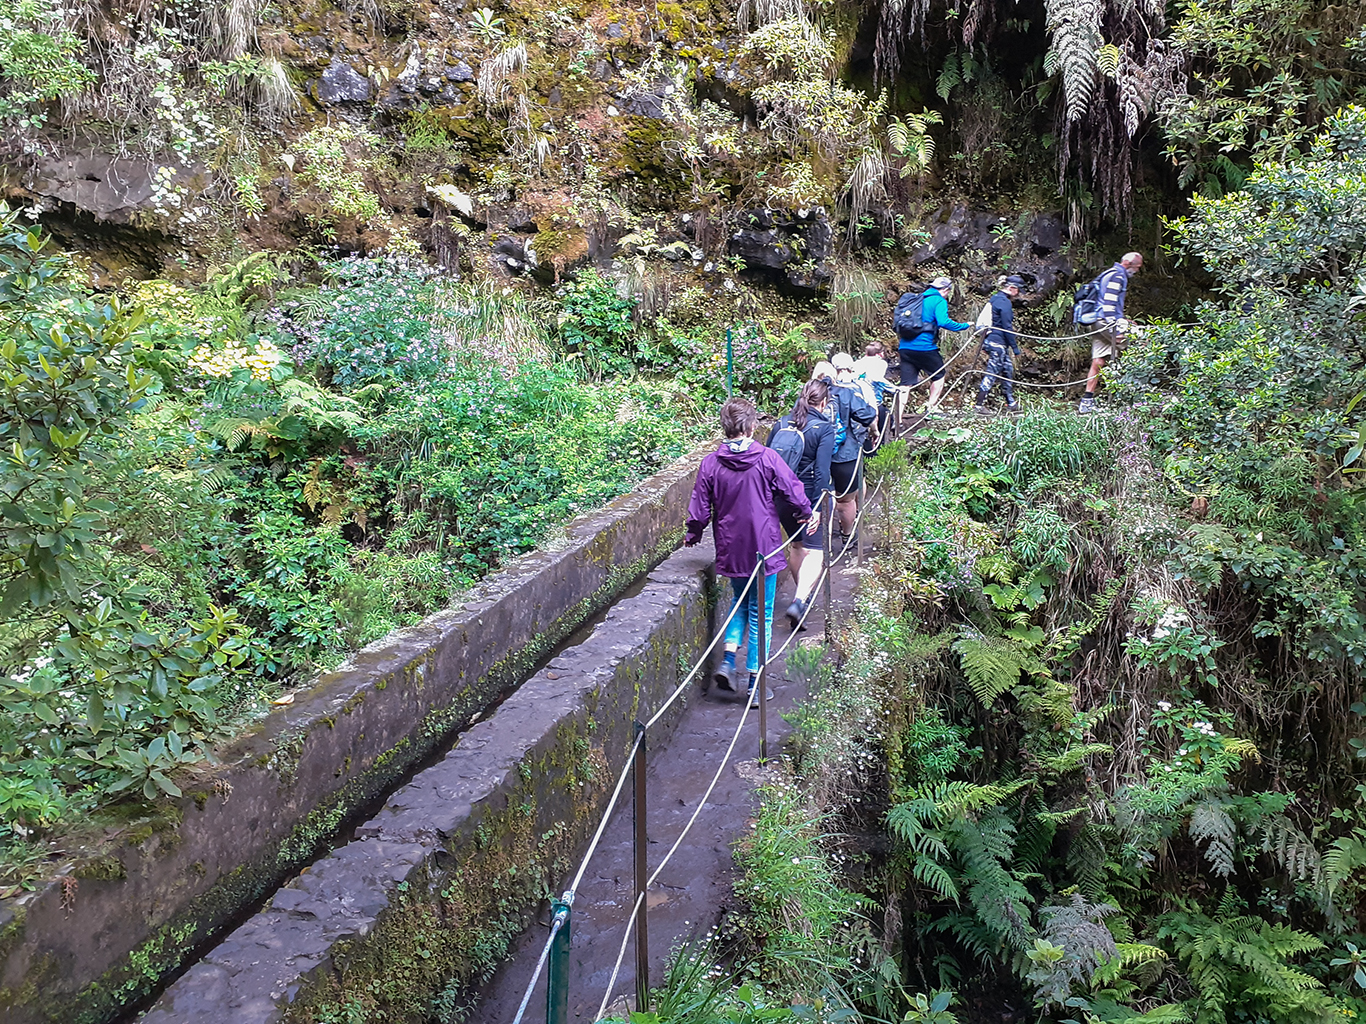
[{"x": 1075, "y": 29}]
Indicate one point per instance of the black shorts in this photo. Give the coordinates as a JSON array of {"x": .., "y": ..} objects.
[
  {"x": 799, "y": 532},
  {"x": 914, "y": 364},
  {"x": 844, "y": 480}
]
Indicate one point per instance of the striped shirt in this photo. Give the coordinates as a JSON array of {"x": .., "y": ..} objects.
[{"x": 1114, "y": 285}]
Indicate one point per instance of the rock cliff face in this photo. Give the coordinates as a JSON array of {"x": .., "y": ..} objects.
[{"x": 680, "y": 140}]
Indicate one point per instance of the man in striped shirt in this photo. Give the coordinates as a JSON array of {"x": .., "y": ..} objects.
[{"x": 1114, "y": 285}]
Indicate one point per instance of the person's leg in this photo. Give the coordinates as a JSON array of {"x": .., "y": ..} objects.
[
  {"x": 936, "y": 392},
  {"x": 909, "y": 376},
  {"x": 990, "y": 375},
  {"x": 796, "y": 555},
  {"x": 806, "y": 582},
  {"x": 764, "y": 588},
  {"x": 932, "y": 363},
  {"x": 735, "y": 630},
  {"x": 847, "y": 508},
  {"x": 1008, "y": 378},
  {"x": 1102, "y": 349},
  {"x": 1091, "y": 379}
]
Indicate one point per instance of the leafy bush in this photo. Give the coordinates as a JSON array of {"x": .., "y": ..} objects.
[
  {"x": 372, "y": 322},
  {"x": 595, "y": 325}
]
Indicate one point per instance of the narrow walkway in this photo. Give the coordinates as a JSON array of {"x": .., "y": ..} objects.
[{"x": 695, "y": 886}]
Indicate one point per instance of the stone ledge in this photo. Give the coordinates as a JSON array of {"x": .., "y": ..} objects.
[
  {"x": 457, "y": 860},
  {"x": 140, "y": 909}
]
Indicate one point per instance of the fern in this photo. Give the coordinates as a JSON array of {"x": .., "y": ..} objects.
[
  {"x": 1210, "y": 821},
  {"x": 1291, "y": 849},
  {"x": 992, "y": 664},
  {"x": 1075, "y": 29},
  {"x": 910, "y": 140},
  {"x": 1108, "y": 59},
  {"x": 999, "y": 898},
  {"x": 1239, "y": 966},
  {"x": 949, "y": 76}
]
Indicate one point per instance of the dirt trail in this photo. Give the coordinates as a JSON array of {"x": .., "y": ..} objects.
[{"x": 689, "y": 895}]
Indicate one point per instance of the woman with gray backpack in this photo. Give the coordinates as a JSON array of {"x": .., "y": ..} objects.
[{"x": 806, "y": 440}]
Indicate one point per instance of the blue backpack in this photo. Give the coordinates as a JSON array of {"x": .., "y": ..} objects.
[{"x": 1086, "y": 303}]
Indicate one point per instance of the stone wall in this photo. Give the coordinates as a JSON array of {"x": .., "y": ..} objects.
[
  {"x": 127, "y": 914},
  {"x": 421, "y": 905}
]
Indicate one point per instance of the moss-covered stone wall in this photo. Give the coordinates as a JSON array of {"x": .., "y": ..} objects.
[
  {"x": 133, "y": 909},
  {"x": 405, "y": 922}
]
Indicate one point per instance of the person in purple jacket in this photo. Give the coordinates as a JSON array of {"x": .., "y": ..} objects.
[{"x": 741, "y": 489}]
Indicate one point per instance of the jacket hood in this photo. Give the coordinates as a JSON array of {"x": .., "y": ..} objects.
[{"x": 734, "y": 457}]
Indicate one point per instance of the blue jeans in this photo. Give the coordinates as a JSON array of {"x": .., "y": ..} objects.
[{"x": 746, "y": 619}]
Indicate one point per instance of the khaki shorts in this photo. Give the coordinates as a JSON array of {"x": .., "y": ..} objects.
[{"x": 1105, "y": 345}]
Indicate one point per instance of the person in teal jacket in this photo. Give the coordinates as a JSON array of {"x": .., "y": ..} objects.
[{"x": 920, "y": 354}]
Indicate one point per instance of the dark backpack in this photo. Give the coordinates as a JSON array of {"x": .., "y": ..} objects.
[
  {"x": 788, "y": 442},
  {"x": 909, "y": 316},
  {"x": 1086, "y": 303}
]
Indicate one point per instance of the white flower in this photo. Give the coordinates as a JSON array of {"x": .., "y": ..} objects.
[{"x": 1164, "y": 705}]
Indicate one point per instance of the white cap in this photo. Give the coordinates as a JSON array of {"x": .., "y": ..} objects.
[{"x": 842, "y": 361}]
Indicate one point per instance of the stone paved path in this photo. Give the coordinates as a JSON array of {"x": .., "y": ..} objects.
[{"x": 689, "y": 895}]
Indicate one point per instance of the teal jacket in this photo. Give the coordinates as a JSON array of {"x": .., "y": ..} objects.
[{"x": 935, "y": 309}]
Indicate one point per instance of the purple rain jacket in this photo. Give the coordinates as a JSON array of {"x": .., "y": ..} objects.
[{"x": 740, "y": 491}]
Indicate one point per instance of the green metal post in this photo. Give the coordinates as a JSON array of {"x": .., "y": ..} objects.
[
  {"x": 730, "y": 363},
  {"x": 557, "y": 981}
]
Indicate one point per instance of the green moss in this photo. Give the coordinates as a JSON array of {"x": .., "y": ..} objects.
[
  {"x": 468, "y": 951},
  {"x": 12, "y": 931},
  {"x": 106, "y": 868}
]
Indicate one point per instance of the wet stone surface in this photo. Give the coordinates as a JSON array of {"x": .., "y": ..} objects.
[{"x": 423, "y": 834}]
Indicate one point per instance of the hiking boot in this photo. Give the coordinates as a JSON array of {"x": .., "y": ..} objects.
[
  {"x": 754, "y": 695},
  {"x": 1013, "y": 407},
  {"x": 1087, "y": 405},
  {"x": 795, "y": 611},
  {"x": 724, "y": 677},
  {"x": 981, "y": 410}
]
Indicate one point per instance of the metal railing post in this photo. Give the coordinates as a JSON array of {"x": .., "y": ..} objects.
[
  {"x": 730, "y": 363},
  {"x": 557, "y": 980},
  {"x": 761, "y": 582},
  {"x": 642, "y": 875},
  {"x": 827, "y": 553},
  {"x": 862, "y": 512}
]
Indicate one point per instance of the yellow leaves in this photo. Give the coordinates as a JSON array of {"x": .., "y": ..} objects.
[
  {"x": 1241, "y": 748},
  {"x": 234, "y": 356}
]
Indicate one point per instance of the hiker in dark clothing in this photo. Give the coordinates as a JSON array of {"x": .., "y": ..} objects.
[
  {"x": 1114, "y": 286},
  {"x": 853, "y": 412},
  {"x": 813, "y": 415},
  {"x": 742, "y": 488},
  {"x": 999, "y": 343}
]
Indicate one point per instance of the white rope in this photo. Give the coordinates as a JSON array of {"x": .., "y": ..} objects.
[
  {"x": 602, "y": 825},
  {"x": 730, "y": 750},
  {"x": 621, "y": 955},
  {"x": 540, "y": 966}
]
